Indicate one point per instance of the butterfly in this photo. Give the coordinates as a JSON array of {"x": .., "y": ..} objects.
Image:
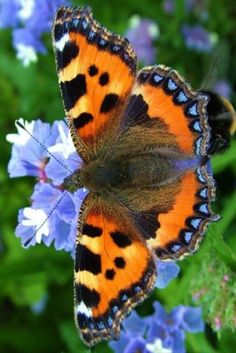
[{"x": 145, "y": 141}]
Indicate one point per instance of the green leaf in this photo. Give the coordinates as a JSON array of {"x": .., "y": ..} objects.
[
  {"x": 220, "y": 246},
  {"x": 222, "y": 161},
  {"x": 71, "y": 338}
]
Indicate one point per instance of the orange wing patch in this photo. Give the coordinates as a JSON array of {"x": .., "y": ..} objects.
[
  {"x": 170, "y": 100},
  {"x": 96, "y": 71},
  {"x": 181, "y": 228},
  {"x": 109, "y": 277}
]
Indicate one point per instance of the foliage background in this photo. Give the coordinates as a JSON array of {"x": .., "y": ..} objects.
[{"x": 28, "y": 276}]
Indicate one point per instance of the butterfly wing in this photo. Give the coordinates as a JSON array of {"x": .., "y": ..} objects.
[
  {"x": 110, "y": 279},
  {"x": 96, "y": 70},
  {"x": 173, "y": 210}
]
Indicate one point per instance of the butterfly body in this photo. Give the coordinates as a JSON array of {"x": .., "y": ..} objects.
[{"x": 144, "y": 139}]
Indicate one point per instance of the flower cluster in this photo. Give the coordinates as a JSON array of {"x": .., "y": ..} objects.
[
  {"x": 53, "y": 213},
  {"x": 141, "y": 34},
  {"x": 159, "y": 332},
  {"x": 197, "y": 38},
  {"x": 29, "y": 19}
]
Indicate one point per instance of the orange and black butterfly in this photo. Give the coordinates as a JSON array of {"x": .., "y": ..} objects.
[{"x": 145, "y": 139}]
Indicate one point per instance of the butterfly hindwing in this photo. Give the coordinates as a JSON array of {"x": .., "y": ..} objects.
[
  {"x": 96, "y": 70},
  {"x": 181, "y": 227},
  {"x": 109, "y": 277}
]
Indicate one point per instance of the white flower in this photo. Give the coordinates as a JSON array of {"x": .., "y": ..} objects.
[
  {"x": 23, "y": 136},
  {"x": 26, "y": 8},
  {"x": 36, "y": 218},
  {"x": 26, "y": 53},
  {"x": 66, "y": 146},
  {"x": 157, "y": 347}
]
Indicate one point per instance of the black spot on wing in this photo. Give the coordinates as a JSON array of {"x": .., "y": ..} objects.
[
  {"x": 72, "y": 90},
  {"x": 120, "y": 239},
  {"x": 86, "y": 260},
  {"x": 92, "y": 231},
  {"x": 64, "y": 57},
  {"x": 110, "y": 274},
  {"x": 104, "y": 79},
  {"x": 109, "y": 103},
  {"x": 92, "y": 70},
  {"x": 90, "y": 297},
  {"x": 58, "y": 31},
  {"x": 82, "y": 120},
  {"x": 119, "y": 262}
]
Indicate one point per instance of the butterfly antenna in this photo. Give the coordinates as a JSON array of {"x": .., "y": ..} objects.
[
  {"x": 217, "y": 67},
  {"x": 42, "y": 145},
  {"x": 62, "y": 164},
  {"x": 52, "y": 210}
]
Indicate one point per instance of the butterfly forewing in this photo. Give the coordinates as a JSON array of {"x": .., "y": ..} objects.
[{"x": 96, "y": 70}]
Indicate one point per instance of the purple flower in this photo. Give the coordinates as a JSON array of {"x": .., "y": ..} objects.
[
  {"x": 52, "y": 218},
  {"x": 166, "y": 271},
  {"x": 223, "y": 88},
  {"x": 30, "y": 19},
  {"x": 29, "y": 157},
  {"x": 197, "y": 38},
  {"x": 53, "y": 213},
  {"x": 169, "y": 6},
  {"x": 9, "y": 13},
  {"x": 160, "y": 332},
  {"x": 141, "y": 34}
]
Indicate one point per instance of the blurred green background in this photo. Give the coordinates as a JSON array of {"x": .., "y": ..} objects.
[{"x": 36, "y": 308}]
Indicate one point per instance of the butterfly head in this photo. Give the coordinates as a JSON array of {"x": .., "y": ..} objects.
[{"x": 222, "y": 120}]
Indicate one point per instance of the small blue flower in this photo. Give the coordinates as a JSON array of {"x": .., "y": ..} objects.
[
  {"x": 29, "y": 19},
  {"x": 192, "y": 321},
  {"x": 52, "y": 218},
  {"x": 197, "y": 38},
  {"x": 159, "y": 332},
  {"x": 53, "y": 214},
  {"x": 66, "y": 160},
  {"x": 28, "y": 156},
  {"x": 9, "y": 13},
  {"x": 136, "y": 344},
  {"x": 166, "y": 271},
  {"x": 141, "y": 34}
]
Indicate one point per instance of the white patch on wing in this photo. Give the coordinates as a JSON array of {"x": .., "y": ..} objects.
[
  {"x": 59, "y": 45},
  {"x": 83, "y": 309}
]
